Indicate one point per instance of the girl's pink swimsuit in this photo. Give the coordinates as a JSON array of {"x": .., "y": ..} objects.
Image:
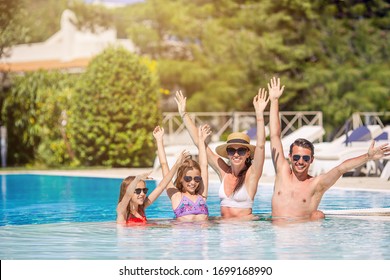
[{"x": 187, "y": 207}]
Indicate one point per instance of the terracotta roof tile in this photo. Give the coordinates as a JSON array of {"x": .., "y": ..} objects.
[{"x": 45, "y": 65}]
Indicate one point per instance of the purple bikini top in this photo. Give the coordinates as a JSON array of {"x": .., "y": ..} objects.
[{"x": 187, "y": 207}]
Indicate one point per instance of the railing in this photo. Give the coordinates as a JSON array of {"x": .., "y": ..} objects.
[
  {"x": 363, "y": 118},
  {"x": 226, "y": 122}
]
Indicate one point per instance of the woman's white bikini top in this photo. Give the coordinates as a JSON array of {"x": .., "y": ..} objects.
[{"x": 239, "y": 199}]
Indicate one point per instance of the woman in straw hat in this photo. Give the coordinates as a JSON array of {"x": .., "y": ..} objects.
[{"x": 239, "y": 180}]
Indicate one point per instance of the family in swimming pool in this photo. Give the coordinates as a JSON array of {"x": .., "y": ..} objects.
[{"x": 296, "y": 194}]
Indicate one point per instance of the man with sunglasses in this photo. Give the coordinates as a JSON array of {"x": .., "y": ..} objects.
[{"x": 296, "y": 193}]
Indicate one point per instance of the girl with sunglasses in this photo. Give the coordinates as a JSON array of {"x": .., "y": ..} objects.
[
  {"x": 188, "y": 193},
  {"x": 240, "y": 178},
  {"x": 133, "y": 199}
]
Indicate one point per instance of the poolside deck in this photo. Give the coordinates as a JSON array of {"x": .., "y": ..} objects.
[{"x": 373, "y": 183}]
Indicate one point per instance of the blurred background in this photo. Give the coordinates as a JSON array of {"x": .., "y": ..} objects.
[{"x": 83, "y": 83}]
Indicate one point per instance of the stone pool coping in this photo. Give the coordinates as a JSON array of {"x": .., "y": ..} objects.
[{"x": 369, "y": 183}]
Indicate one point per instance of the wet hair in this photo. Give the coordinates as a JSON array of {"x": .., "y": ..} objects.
[
  {"x": 300, "y": 142},
  {"x": 125, "y": 183},
  {"x": 188, "y": 164}
]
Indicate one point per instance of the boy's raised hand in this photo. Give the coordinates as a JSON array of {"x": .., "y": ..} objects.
[{"x": 274, "y": 89}]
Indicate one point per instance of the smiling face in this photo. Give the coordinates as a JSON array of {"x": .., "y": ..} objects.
[
  {"x": 139, "y": 199},
  {"x": 191, "y": 180},
  {"x": 300, "y": 159},
  {"x": 237, "y": 154},
  {"x": 189, "y": 168}
]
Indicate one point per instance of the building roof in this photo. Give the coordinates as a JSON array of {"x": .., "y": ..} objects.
[
  {"x": 76, "y": 65},
  {"x": 69, "y": 49},
  {"x": 113, "y": 3}
]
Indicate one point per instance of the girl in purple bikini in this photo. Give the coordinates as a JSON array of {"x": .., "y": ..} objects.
[
  {"x": 188, "y": 193},
  {"x": 133, "y": 198}
]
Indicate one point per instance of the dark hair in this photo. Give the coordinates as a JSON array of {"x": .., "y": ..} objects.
[
  {"x": 241, "y": 175},
  {"x": 301, "y": 142},
  {"x": 188, "y": 164}
]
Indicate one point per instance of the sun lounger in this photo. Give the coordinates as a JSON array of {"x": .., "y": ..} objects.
[
  {"x": 329, "y": 155},
  {"x": 386, "y": 171},
  {"x": 384, "y": 135},
  {"x": 312, "y": 133},
  {"x": 364, "y": 133}
]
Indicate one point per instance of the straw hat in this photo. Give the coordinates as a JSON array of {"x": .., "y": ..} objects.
[{"x": 235, "y": 138}]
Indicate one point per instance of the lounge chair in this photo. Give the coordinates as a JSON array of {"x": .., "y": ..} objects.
[
  {"x": 385, "y": 174},
  {"x": 329, "y": 155},
  {"x": 313, "y": 133}
]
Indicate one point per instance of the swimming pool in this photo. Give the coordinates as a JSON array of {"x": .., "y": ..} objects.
[{"x": 60, "y": 217}]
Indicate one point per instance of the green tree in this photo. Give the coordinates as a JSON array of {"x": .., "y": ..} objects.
[
  {"x": 45, "y": 16},
  {"x": 33, "y": 112},
  {"x": 12, "y": 29},
  {"x": 91, "y": 17},
  {"x": 332, "y": 55},
  {"x": 43, "y": 19},
  {"x": 223, "y": 49},
  {"x": 115, "y": 111},
  {"x": 351, "y": 60}
]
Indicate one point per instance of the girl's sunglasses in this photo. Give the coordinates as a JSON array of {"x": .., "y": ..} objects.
[
  {"x": 188, "y": 179},
  {"x": 240, "y": 151},
  {"x": 138, "y": 191},
  {"x": 298, "y": 157}
]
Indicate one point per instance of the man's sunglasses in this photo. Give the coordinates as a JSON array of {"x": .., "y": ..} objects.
[
  {"x": 240, "y": 151},
  {"x": 298, "y": 157},
  {"x": 188, "y": 179},
  {"x": 138, "y": 191}
]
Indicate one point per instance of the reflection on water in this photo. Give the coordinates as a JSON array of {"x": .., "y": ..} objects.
[
  {"x": 42, "y": 199},
  {"x": 58, "y": 217},
  {"x": 332, "y": 238}
]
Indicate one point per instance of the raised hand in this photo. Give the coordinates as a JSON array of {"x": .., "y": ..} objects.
[
  {"x": 181, "y": 103},
  {"x": 204, "y": 132},
  {"x": 142, "y": 177},
  {"x": 378, "y": 152},
  {"x": 274, "y": 89},
  {"x": 139, "y": 177},
  {"x": 183, "y": 156},
  {"x": 260, "y": 100},
  {"x": 158, "y": 133}
]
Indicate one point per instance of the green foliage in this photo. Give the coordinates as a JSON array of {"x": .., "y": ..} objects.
[
  {"x": 34, "y": 112},
  {"x": 330, "y": 54},
  {"x": 333, "y": 56},
  {"x": 225, "y": 50},
  {"x": 44, "y": 18},
  {"x": 350, "y": 62},
  {"x": 102, "y": 117},
  {"x": 222, "y": 49},
  {"x": 115, "y": 110},
  {"x": 91, "y": 18},
  {"x": 12, "y": 27}
]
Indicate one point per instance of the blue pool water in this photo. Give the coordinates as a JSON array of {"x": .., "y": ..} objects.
[
  {"x": 42, "y": 199},
  {"x": 59, "y": 217}
]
